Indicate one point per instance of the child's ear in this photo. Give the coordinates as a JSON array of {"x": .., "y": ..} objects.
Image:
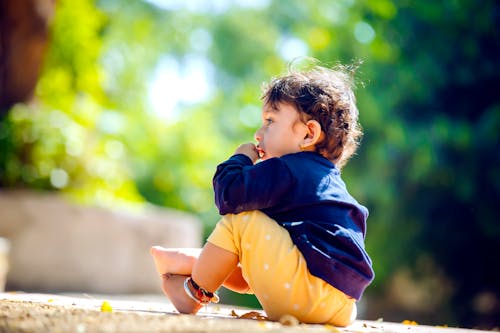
[{"x": 314, "y": 134}]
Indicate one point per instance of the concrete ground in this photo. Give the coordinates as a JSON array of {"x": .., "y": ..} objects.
[{"x": 28, "y": 313}]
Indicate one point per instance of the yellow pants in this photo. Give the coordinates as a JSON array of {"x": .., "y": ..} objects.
[{"x": 277, "y": 272}]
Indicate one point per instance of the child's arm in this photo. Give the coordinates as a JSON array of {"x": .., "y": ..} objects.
[{"x": 239, "y": 185}]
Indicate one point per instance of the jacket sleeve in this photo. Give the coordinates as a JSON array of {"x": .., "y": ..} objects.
[{"x": 240, "y": 185}]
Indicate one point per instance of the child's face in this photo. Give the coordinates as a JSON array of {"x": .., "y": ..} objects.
[{"x": 281, "y": 133}]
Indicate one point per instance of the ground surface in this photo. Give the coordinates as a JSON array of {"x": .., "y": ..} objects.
[{"x": 30, "y": 313}]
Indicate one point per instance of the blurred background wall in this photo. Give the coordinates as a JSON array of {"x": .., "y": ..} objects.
[{"x": 117, "y": 103}]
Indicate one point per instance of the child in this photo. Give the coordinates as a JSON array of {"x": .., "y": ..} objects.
[{"x": 290, "y": 232}]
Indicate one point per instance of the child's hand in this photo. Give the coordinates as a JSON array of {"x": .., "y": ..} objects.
[{"x": 248, "y": 149}]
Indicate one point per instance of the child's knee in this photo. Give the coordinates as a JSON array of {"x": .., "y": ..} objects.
[
  {"x": 251, "y": 215},
  {"x": 252, "y": 221}
]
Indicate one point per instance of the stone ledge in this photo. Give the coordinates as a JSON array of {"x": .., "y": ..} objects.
[
  {"x": 33, "y": 313},
  {"x": 57, "y": 245}
]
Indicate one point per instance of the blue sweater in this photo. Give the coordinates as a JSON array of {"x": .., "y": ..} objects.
[{"x": 305, "y": 194}]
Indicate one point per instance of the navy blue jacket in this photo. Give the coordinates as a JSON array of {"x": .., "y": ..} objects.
[{"x": 305, "y": 194}]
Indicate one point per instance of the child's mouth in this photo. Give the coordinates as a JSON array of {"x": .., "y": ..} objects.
[{"x": 261, "y": 152}]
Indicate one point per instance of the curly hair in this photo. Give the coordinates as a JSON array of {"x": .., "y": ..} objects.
[{"x": 325, "y": 95}]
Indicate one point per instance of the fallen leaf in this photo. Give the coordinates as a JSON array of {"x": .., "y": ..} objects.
[
  {"x": 249, "y": 315},
  {"x": 332, "y": 328},
  {"x": 289, "y": 320},
  {"x": 106, "y": 307}
]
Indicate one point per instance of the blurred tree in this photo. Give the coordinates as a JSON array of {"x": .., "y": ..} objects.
[
  {"x": 23, "y": 40},
  {"x": 62, "y": 140},
  {"x": 433, "y": 148}
]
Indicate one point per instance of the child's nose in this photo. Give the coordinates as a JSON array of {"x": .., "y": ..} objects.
[{"x": 257, "y": 135}]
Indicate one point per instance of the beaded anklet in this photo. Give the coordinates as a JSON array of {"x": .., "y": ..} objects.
[{"x": 201, "y": 295}]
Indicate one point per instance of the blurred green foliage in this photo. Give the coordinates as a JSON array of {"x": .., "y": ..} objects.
[{"x": 428, "y": 167}]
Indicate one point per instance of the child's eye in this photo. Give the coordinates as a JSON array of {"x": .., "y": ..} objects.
[{"x": 268, "y": 121}]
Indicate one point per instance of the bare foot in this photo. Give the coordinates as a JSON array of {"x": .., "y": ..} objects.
[
  {"x": 174, "y": 261},
  {"x": 173, "y": 287}
]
